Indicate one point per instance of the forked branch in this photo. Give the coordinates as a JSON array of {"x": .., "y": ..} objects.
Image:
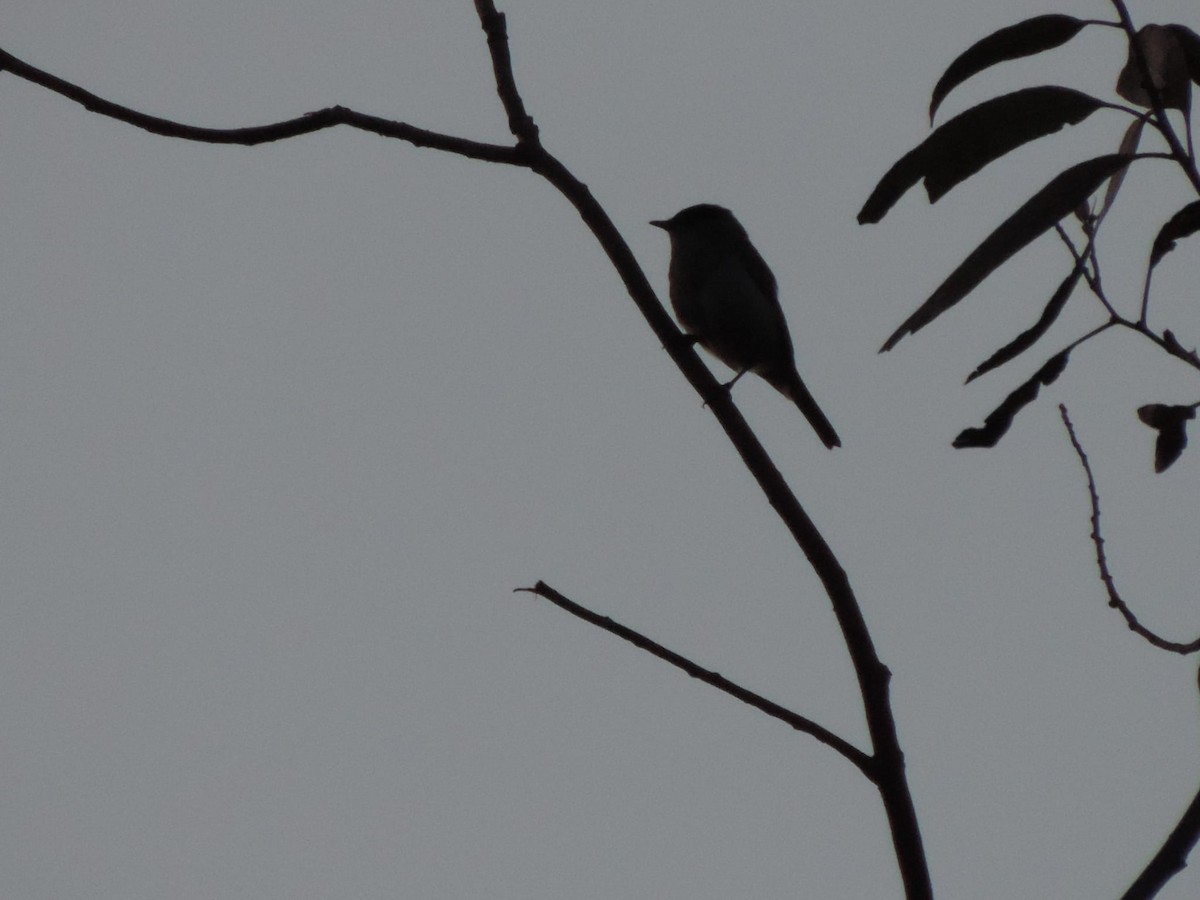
[{"x": 885, "y": 764}]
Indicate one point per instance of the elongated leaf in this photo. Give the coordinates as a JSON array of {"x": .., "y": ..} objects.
[
  {"x": 1000, "y": 420},
  {"x": 1056, "y": 200},
  {"x": 991, "y": 129},
  {"x": 971, "y": 140},
  {"x": 1029, "y": 336},
  {"x": 1171, "y": 424},
  {"x": 1183, "y": 223},
  {"x": 1022, "y": 39},
  {"x": 1129, "y": 145}
]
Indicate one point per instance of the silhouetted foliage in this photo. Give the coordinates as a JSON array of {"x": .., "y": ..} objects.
[{"x": 1163, "y": 61}]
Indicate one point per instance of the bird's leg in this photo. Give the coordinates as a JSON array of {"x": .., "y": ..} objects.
[
  {"x": 691, "y": 339},
  {"x": 729, "y": 384}
]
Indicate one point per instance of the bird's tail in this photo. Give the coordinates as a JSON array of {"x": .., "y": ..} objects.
[{"x": 792, "y": 387}]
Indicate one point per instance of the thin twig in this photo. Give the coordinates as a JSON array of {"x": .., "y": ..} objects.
[
  {"x": 1090, "y": 275},
  {"x": 1167, "y": 341},
  {"x": 1145, "y": 313},
  {"x": 1110, "y": 585},
  {"x": 1070, "y": 348},
  {"x": 862, "y": 760}
]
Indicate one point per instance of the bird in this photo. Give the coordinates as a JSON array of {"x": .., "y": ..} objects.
[{"x": 725, "y": 296}]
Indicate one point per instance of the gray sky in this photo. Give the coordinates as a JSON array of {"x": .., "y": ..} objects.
[{"x": 284, "y": 427}]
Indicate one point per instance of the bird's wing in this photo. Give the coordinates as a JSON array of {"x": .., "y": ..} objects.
[{"x": 763, "y": 278}]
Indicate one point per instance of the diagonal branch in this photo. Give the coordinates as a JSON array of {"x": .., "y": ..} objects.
[
  {"x": 1110, "y": 584},
  {"x": 796, "y": 721},
  {"x": 1171, "y": 859}
]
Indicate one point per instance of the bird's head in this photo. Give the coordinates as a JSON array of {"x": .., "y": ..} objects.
[{"x": 702, "y": 224}]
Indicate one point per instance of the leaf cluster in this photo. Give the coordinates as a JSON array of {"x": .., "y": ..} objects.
[{"x": 1162, "y": 64}]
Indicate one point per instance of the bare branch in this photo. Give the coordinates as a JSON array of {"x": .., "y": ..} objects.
[
  {"x": 261, "y": 134},
  {"x": 886, "y": 766},
  {"x": 862, "y": 760},
  {"x": 1110, "y": 585},
  {"x": 495, "y": 26},
  {"x": 1171, "y": 859},
  {"x": 874, "y": 678}
]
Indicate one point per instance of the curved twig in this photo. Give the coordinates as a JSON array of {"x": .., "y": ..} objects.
[{"x": 1110, "y": 584}]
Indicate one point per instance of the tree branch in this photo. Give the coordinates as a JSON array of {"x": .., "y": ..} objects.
[
  {"x": 262, "y": 134},
  {"x": 1110, "y": 585},
  {"x": 873, "y": 676},
  {"x": 886, "y": 767},
  {"x": 795, "y": 720},
  {"x": 495, "y": 26},
  {"x": 1171, "y": 859}
]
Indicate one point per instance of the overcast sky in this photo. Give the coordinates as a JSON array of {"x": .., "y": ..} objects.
[{"x": 284, "y": 427}]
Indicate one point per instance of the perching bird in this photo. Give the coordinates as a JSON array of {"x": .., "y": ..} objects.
[{"x": 725, "y": 296}]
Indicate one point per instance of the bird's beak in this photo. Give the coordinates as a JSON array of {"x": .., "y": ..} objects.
[{"x": 661, "y": 223}]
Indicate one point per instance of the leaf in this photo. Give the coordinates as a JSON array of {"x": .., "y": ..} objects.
[
  {"x": 1000, "y": 420},
  {"x": 1168, "y": 62},
  {"x": 1029, "y": 336},
  {"x": 1171, "y": 424},
  {"x": 1189, "y": 43},
  {"x": 1129, "y": 145},
  {"x": 1177, "y": 349},
  {"x": 1045, "y": 208},
  {"x": 1183, "y": 223},
  {"x": 971, "y": 140},
  {"x": 1022, "y": 39}
]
